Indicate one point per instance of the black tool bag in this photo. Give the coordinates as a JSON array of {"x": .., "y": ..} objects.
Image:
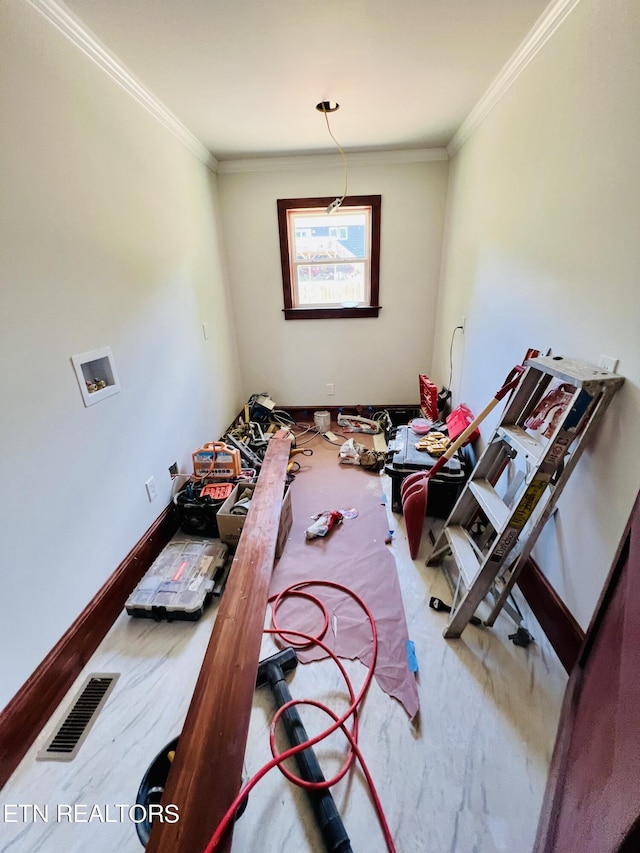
[{"x": 197, "y": 515}]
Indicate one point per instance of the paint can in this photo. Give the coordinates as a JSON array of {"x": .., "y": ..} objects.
[{"x": 322, "y": 420}]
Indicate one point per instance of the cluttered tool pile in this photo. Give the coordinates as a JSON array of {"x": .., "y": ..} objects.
[
  {"x": 213, "y": 500},
  {"x": 366, "y": 618}
]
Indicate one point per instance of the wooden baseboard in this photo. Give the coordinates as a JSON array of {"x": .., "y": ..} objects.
[
  {"x": 556, "y": 620},
  {"x": 27, "y": 713}
]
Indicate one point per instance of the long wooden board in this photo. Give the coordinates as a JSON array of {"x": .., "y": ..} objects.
[{"x": 206, "y": 774}]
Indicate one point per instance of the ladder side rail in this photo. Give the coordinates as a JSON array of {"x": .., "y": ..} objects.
[
  {"x": 452, "y": 582},
  {"x": 490, "y": 569},
  {"x": 490, "y": 466},
  {"x": 469, "y": 603},
  {"x": 526, "y": 395},
  {"x": 563, "y": 435},
  {"x": 510, "y": 606},
  {"x": 528, "y": 544},
  {"x": 545, "y": 479}
]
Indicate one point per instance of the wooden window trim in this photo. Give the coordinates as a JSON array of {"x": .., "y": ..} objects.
[{"x": 293, "y": 313}]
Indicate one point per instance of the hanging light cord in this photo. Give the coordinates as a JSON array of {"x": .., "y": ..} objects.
[{"x": 344, "y": 156}]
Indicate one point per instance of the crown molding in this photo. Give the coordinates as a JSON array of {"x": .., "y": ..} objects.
[
  {"x": 318, "y": 161},
  {"x": 71, "y": 26},
  {"x": 542, "y": 31}
]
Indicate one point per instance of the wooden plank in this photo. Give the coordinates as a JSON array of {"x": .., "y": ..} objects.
[
  {"x": 206, "y": 774},
  {"x": 27, "y": 713}
]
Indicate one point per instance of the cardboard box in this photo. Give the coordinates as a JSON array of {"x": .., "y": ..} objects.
[{"x": 230, "y": 526}]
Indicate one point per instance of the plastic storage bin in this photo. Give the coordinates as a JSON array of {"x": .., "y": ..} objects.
[
  {"x": 403, "y": 459},
  {"x": 180, "y": 581}
]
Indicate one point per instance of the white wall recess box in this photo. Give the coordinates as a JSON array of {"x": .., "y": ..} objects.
[{"x": 96, "y": 374}]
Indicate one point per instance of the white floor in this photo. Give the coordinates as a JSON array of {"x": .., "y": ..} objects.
[{"x": 468, "y": 777}]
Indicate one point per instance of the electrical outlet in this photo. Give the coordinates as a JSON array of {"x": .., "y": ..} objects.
[
  {"x": 173, "y": 470},
  {"x": 205, "y": 331},
  {"x": 331, "y": 389},
  {"x": 608, "y": 362},
  {"x": 152, "y": 492},
  {"x": 463, "y": 324}
]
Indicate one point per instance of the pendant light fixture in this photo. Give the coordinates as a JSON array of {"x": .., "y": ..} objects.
[{"x": 327, "y": 107}]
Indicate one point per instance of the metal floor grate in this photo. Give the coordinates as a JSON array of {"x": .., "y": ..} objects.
[{"x": 67, "y": 739}]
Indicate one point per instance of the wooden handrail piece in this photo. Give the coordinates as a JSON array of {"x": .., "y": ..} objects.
[{"x": 207, "y": 770}]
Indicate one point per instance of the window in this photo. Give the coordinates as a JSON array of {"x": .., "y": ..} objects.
[{"x": 330, "y": 261}]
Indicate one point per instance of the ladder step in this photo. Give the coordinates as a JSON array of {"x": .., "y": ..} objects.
[
  {"x": 576, "y": 373},
  {"x": 491, "y": 503},
  {"x": 523, "y": 442},
  {"x": 463, "y": 552}
]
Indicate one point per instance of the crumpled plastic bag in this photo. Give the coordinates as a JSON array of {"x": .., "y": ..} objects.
[
  {"x": 350, "y": 452},
  {"x": 323, "y": 523}
]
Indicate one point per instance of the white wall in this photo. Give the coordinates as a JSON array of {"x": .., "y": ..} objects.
[
  {"x": 108, "y": 236},
  {"x": 542, "y": 249},
  {"x": 370, "y": 361}
]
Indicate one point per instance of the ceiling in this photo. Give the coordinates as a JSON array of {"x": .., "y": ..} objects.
[{"x": 244, "y": 76}]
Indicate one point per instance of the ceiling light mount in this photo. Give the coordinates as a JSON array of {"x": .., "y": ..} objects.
[{"x": 327, "y": 106}]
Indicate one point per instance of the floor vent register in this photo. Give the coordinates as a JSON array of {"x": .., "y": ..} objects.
[{"x": 69, "y": 736}]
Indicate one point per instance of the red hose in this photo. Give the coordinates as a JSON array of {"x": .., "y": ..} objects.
[{"x": 339, "y": 721}]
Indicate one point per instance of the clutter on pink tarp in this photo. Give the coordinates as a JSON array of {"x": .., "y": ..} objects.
[{"x": 357, "y": 557}]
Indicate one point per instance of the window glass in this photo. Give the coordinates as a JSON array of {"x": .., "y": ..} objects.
[{"x": 330, "y": 261}]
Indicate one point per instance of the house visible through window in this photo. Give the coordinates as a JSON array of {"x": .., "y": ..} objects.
[{"x": 330, "y": 261}]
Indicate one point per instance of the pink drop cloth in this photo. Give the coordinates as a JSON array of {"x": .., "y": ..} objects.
[{"x": 353, "y": 554}]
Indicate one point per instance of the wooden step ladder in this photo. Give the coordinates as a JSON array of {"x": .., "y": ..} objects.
[{"x": 488, "y": 536}]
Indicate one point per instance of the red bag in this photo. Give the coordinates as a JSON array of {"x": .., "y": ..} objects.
[
  {"x": 428, "y": 397},
  {"x": 458, "y": 421}
]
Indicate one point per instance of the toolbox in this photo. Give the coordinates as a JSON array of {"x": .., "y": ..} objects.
[
  {"x": 185, "y": 575},
  {"x": 403, "y": 459},
  {"x": 216, "y": 459}
]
